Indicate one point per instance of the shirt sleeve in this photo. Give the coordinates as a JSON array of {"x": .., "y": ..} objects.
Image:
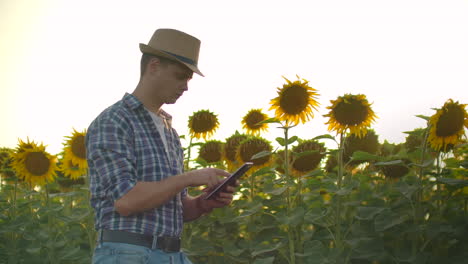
[{"x": 110, "y": 150}]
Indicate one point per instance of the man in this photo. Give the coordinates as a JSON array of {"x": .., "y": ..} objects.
[{"x": 138, "y": 187}]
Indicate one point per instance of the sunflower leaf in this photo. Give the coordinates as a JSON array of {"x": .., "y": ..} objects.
[
  {"x": 269, "y": 120},
  {"x": 280, "y": 140},
  {"x": 425, "y": 164},
  {"x": 423, "y": 117},
  {"x": 386, "y": 163},
  {"x": 325, "y": 136},
  {"x": 261, "y": 154},
  {"x": 267, "y": 260},
  {"x": 277, "y": 191},
  {"x": 260, "y": 248},
  {"x": 364, "y": 156},
  {"x": 292, "y": 140},
  {"x": 458, "y": 183}
]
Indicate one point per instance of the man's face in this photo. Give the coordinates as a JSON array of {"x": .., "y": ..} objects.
[{"x": 172, "y": 81}]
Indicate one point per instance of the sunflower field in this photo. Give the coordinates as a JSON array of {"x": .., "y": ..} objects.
[{"x": 363, "y": 200}]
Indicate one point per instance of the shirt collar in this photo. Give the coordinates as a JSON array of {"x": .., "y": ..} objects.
[{"x": 133, "y": 103}]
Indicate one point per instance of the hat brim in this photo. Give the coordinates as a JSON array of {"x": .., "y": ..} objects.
[{"x": 149, "y": 50}]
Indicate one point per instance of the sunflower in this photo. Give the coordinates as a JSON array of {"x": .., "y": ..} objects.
[
  {"x": 75, "y": 149},
  {"x": 34, "y": 164},
  {"x": 22, "y": 147},
  {"x": 211, "y": 151},
  {"x": 70, "y": 169},
  {"x": 251, "y": 121},
  {"x": 368, "y": 143},
  {"x": 279, "y": 158},
  {"x": 203, "y": 124},
  {"x": 350, "y": 111},
  {"x": 230, "y": 150},
  {"x": 6, "y": 158},
  {"x": 330, "y": 165},
  {"x": 395, "y": 171},
  {"x": 251, "y": 146},
  {"x": 307, "y": 162},
  {"x": 387, "y": 148},
  {"x": 414, "y": 139},
  {"x": 295, "y": 102},
  {"x": 447, "y": 125}
]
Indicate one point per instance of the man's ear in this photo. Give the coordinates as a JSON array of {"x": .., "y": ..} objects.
[{"x": 153, "y": 65}]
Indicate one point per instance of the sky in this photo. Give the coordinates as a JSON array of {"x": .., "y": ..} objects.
[{"x": 63, "y": 62}]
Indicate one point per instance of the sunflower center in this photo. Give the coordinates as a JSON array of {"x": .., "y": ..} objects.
[
  {"x": 450, "y": 122},
  {"x": 211, "y": 153},
  {"x": 247, "y": 150},
  {"x": 350, "y": 113},
  {"x": 203, "y": 123},
  {"x": 78, "y": 147},
  {"x": 37, "y": 163},
  {"x": 253, "y": 119},
  {"x": 294, "y": 100},
  {"x": 310, "y": 161},
  {"x": 231, "y": 147}
]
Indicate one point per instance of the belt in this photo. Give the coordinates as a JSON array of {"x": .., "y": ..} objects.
[{"x": 165, "y": 243}]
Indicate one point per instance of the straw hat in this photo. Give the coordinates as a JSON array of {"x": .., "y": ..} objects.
[{"x": 175, "y": 45}]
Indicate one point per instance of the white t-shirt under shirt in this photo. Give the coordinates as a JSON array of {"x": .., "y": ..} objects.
[{"x": 159, "y": 122}]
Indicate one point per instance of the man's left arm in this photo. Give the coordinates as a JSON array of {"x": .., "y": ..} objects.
[{"x": 194, "y": 207}]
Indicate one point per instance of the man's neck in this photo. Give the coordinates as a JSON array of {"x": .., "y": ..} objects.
[{"x": 142, "y": 93}]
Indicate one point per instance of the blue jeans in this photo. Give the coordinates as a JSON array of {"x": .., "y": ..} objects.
[{"x": 112, "y": 253}]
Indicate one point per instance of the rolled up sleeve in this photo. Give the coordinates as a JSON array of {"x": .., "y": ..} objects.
[{"x": 110, "y": 151}]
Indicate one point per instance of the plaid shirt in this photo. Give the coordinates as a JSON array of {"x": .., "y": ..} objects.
[{"x": 123, "y": 147}]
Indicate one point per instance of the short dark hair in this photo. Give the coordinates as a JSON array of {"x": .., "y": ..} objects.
[{"x": 145, "y": 59}]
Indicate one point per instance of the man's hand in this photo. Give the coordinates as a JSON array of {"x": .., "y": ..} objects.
[
  {"x": 222, "y": 199},
  {"x": 208, "y": 176}
]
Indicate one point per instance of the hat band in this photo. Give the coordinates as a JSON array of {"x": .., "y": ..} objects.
[{"x": 182, "y": 58}]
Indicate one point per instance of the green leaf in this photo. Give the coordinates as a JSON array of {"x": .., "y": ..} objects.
[
  {"x": 277, "y": 191},
  {"x": 292, "y": 140},
  {"x": 268, "y": 260},
  {"x": 387, "y": 163},
  {"x": 261, "y": 154},
  {"x": 231, "y": 249},
  {"x": 325, "y": 136},
  {"x": 33, "y": 250},
  {"x": 255, "y": 208},
  {"x": 280, "y": 141},
  {"x": 270, "y": 120},
  {"x": 263, "y": 171},
  {"x": 457, "y": 183},
  {"x": 261, "y": 248},
  {"x": 315, "y": 252},
  {"x": 70, "y": 253},
  {"x": 423, "y": 117},
  {"x": 425, "y": 164},
  {"x": 388, "y": 219},
  {"x": 406, "y": 189},
  {"x": 364, "y": 156},
  {"x": 313, "y": 173},
  {"x": 368, "y": 212}
]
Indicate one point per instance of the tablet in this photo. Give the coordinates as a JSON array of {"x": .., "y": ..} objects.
[{"x": 230, "y": 180}]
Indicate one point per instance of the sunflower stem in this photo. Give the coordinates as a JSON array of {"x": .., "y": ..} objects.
[
  {"x": 338, "y": 198},
  {"x": 292, "y": 255},
  {"x": 50, "y": 253},
  {"x": 13, "y": 257},
  {"x": 419, "y": 193}
]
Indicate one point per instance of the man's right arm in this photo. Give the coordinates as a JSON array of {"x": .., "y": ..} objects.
[{"x": 147, "y": 195}]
